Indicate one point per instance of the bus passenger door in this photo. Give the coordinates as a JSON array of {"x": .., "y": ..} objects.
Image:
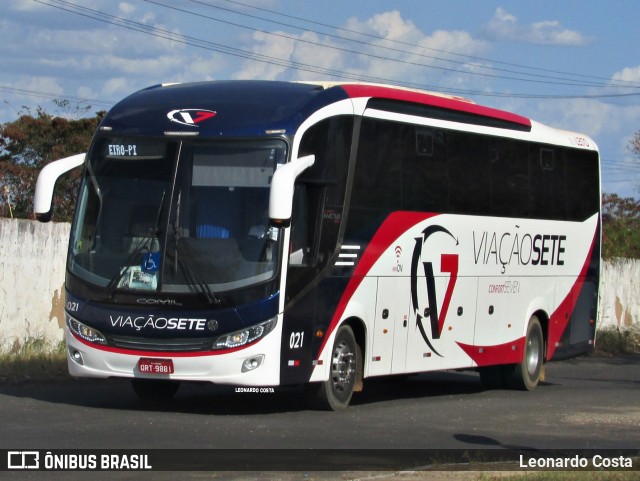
[{"x": 389, "y": 345}]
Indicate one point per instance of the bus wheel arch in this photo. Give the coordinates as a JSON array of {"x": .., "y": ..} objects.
[
  {"x": 360, "y": 334},
  {"x": 543, "y": 317},
  {"x": 345, "y": 370},
  {"x": 526, "y": 374}
]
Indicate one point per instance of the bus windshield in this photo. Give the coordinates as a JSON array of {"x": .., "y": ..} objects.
[{"x": 176, "y": 216}]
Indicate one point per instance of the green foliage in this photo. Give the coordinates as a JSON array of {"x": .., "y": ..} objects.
[
  {"x": 634, "y": 144},
  {"x": 614, "y": 341},
  {"x": 31, "y": 142},
  {"x": 621, "y": 227}
]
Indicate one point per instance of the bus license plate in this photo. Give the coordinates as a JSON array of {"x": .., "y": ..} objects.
[{"x": 155, "y": 366}]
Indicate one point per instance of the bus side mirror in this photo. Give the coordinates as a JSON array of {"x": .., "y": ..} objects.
[
  {"x": 282, "y": 187},
  {"x": 43, "y": 198}
]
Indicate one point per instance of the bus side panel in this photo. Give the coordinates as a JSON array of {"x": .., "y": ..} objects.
[
  {"x": 297, "y": 338},
  {"x": 579, "y": 335},
  {"x": 306, "y": 322},
  {"x": 388, "y": 342},
  {"x": 572, "y": 325},
  {"x": 431, "y": 346}
]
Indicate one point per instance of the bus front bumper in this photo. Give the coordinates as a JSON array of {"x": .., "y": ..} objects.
[{"x": 254, "y": 365}]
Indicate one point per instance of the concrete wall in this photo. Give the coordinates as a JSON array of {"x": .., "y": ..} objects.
[
  {"x": 620, "y": 294},
  {"x": 32, "y": 264}
]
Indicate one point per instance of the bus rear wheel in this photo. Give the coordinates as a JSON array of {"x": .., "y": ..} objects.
[
  {"x": 527, "y": 373},
  {"x": 335, "y": 393},
  {"x": 524, "y": 375},
  {"x": 154, "y": 390}
]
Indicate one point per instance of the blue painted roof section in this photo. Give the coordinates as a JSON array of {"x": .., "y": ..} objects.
[{"x": 242, "y": 108}]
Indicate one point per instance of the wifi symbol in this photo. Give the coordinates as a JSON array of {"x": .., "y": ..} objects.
[{"x": 398, "y": 250}]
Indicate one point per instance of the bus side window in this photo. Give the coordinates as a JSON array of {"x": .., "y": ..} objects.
[
  {"x": 299, "y": 243},
  {"x": 318, "y": 201}
]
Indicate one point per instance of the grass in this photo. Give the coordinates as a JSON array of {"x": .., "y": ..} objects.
[
  {"x": 565, "y": 476},
  {"x": 613, "y": 342},
  {"x": 34, "y": 359},
  {"x": 562, "y": 475}
]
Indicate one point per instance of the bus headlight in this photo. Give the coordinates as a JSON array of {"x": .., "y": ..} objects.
[
  {"x": 85, "y": 332},
  {"x": 245, "y": 336}
]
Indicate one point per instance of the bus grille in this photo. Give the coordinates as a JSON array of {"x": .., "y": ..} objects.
[{"x": 168, "y": 345}]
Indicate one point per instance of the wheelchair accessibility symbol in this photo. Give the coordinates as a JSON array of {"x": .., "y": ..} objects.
[{"x": 151, "y": 262}]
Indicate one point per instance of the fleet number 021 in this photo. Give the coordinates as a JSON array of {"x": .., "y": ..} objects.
[{"x": 296, "y": 340}]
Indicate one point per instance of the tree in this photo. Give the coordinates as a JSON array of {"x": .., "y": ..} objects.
[
  {"x": 620, "y": 227},
  {"x": 31, "y": 142},
  {"x": 634, "y": 146},
  {"x": 634, "y": 143}
]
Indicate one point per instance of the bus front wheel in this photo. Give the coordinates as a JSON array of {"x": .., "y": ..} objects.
[{"x": 335, "y": 393}]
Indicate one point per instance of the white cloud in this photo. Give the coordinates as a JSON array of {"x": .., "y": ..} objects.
[
  {"x": 628, "y": 74},
  {"x": 197, "y": 68},
  {"x": 505, "y": 27},
  {"x": 114, "y": 85},
  {"x": 14, "y": 103},
  {"x": 389, "y": 25},
  {"x": 596, "y": 118},
  {"x": 126, "y": 7},
  {"x": 392, "y": 49},
  {"x": 23, "y": 5},
  {"x": 610, "y": 125},
  {"x": 267, "y": 46}
]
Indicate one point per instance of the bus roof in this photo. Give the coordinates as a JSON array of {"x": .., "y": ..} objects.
[
  {"x": 250, "y": 108},
  {"x": 435, "y": 100}
]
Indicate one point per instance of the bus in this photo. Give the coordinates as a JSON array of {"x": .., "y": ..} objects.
[{"x": 269, "y": 233}]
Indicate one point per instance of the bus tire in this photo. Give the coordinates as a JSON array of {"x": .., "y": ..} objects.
[
  {"x": 335, "y": 393},
  {"x": 526, "y": 375},
  {"x": 154, "y": 390}
]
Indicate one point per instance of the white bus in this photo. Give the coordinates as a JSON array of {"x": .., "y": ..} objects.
[{"x": 276, "y": 233}]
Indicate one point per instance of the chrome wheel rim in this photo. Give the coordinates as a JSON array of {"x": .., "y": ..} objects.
[
  {"x": 533, "y": 355},
  {"x": 343, "y": 367}
]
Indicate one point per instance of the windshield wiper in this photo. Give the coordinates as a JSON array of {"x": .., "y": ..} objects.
[{"x": 193, "y": 278}]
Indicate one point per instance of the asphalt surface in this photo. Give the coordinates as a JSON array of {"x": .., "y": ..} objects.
[{"x": 586, "y": 403}]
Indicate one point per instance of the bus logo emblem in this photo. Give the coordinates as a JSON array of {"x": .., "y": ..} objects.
[
  {"x": 190, "y": 117},
  {"x": 448, "y": 264}
]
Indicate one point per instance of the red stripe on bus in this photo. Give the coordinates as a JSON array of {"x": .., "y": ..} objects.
[
  {"x": 135, "y": 352},
  {"x": 393, "y": 227},
  {"x": 508, "y": 353},
  {"x": 449, "y": 103},
  {"x": 561, "y": 316}
]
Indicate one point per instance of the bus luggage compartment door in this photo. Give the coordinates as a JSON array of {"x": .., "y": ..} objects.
[{"x": 388, "y": 348}]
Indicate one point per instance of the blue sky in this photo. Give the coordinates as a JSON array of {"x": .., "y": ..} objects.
[{"x": 569, "y": 64}]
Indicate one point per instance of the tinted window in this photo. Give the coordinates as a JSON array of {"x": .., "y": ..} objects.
[{"x": 403, "y": 166}]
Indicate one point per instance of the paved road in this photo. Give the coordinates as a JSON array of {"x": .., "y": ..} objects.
[{"x": 586, "y": 403}]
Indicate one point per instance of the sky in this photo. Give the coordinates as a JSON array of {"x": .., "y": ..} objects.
[{"x": 569, "y": 64}]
